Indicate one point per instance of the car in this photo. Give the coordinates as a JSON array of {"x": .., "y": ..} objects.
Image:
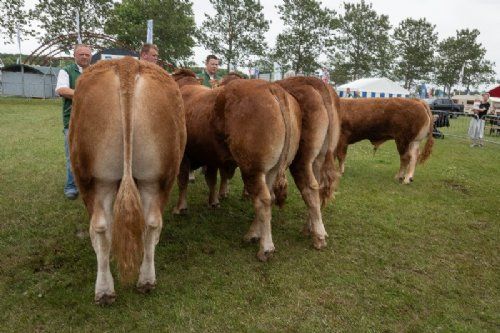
[{"x": 444, "y": 104}]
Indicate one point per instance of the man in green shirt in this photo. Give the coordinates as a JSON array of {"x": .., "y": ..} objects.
[
  {"x": 209, "y": 75},
  {"x": 66, "y": 83}
]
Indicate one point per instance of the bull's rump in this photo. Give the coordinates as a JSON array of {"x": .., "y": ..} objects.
[
  {"x": 97, "y": 125},
  {"x": 255, "y": 125},
  {"x": 379, "y": 119},
  {"x": 201, "y": 147}
]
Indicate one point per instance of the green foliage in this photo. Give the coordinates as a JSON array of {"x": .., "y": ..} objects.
[
  {"x": 361, "y": 47},
  {"x": 307, "y": 27},
  {"x": 416, "y": 42},
  {"x": 11, "y": 59},
  {"x": 12, "y": 15},
  {"x": 174, "y": 26},
  {"x": 415, "y": 258},
  {"x": 58, "y": 17},
  {"x": 462, "y": 58},
  {"x": 235, "y": 32}
]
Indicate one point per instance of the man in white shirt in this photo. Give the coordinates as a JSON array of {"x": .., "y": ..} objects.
[{"x": 65, "y": 87}]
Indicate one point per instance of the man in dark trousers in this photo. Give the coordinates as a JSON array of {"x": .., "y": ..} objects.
[{"x": 66, "y": 83}]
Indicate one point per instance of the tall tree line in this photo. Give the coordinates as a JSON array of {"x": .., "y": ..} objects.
[{"x": 355, "y": 42}]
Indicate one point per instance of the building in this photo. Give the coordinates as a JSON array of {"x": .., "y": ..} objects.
[{"x": 28, "y": 81}]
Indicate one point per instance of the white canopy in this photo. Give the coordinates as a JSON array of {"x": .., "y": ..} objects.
[{"x": 374, "y": 87}]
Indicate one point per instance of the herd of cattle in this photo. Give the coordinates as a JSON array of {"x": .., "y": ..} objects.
[{"x": 135, "y": 129}]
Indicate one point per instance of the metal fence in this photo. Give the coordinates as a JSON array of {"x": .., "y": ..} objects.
[{"x": 456, "y": 124}]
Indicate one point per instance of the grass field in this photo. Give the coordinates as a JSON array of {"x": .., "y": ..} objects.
[{"x": 416, "y": 258}]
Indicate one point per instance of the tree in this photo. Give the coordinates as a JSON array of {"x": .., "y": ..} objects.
[
  {"x": 461, "y": 60},
  {"x": 361, "y": 47},
  {"x": 174, "y": 26},
  {"x": 235, "y": 32},
  {"x": 58, "y": 17},
  {"x": 307, "y": 27},
  {"x": 13, "y": 15},
  {"x": 416, "y": 42}
]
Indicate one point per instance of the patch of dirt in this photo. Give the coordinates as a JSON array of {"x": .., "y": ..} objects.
[{"x": 456, "y": 186}]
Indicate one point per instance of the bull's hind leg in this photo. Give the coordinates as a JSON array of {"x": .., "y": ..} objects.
[
  {"x": 152, "y": 202},
  {"x": 413, "y": 151},
  {"x": 182, "y": 181},
  {"x": 261, "y": 225},
  {"x": 308, "y": 186},
  {"x": 404, "y": 159},
  {"x": 211, "y": 180},
  {"x": 226, "y": 173},
  {"x": 100, "y": 233}
]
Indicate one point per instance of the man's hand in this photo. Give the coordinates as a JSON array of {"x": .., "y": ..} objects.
[{"x": 66, "y": 92}]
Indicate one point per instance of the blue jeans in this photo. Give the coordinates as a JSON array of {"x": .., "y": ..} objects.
[{"x": 70, "y": 186}]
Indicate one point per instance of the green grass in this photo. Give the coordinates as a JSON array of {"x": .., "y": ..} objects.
[{"x": 417, "y": 258}]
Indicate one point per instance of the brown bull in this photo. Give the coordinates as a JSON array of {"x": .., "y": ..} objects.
[
  {"x": 251, "y": 124},
  {"x": 127, "y": 137},
  {"x": 407, "y": 121},
  {"x": 313, "y": 168},
  {"x": 202, "y": 147}
]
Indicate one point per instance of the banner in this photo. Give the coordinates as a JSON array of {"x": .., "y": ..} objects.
[{"x": 149, "y": 37}]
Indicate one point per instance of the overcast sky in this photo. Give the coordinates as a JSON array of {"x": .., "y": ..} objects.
[{"x": 447, "y": 15}]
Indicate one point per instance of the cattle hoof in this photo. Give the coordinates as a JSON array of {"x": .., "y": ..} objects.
[
  {"x": 146, "y": 287},
  {"x": 319, "y": 243},
  {"x": 264, "y": 256},
  {"x": 177, "y": 211},
  {"x": 215, "y": 205},
  {"x": 411, "y": 180},
  {"x": 105, "y": 299},
  {"x": 223, "y": 196}
]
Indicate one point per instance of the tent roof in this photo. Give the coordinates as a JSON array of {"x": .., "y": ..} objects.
[{"x": 375, "y": 85}]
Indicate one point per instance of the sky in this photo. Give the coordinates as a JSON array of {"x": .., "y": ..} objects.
[{"x": 448, "y": 16}]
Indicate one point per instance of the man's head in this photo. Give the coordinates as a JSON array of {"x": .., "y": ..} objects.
[
  {"x": 83, "y": 55},
  {"x": 211, "y": 64},
  {"x": 149, "y": 52},
  {"x": 486, "y": 97}
]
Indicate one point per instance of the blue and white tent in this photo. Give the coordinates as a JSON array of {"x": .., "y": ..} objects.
[{"x": 374, "y": 87}]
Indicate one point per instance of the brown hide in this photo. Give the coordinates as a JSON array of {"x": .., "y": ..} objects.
[
  {"x": 319, "y": 134},
  {"x": 127, "y": 138},
  {"x": 202, "y": 148},
  {"x": 251, "y": 124},
  {"x": 406, "y": 121}
]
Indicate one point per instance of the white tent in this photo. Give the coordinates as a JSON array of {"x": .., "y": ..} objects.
[{"x": 374, "y": 87}]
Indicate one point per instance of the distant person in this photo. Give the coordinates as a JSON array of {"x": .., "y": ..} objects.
[
  {"x": 348, "y": 93},
  {"x": 209, "y": 75},
  {"x": 149, "y": 52},
  {"x": 325, "y": 77},
  {"x": 476, "y": 126},
  {"x": 65, "y": 87}
]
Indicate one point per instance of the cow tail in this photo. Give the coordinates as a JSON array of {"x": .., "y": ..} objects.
[
  {"x": 280, "y": 186},
  {"x": 329, "y": 174},
  {"x": 128, "y": 224},
  {"x": 426, "y": 152}
]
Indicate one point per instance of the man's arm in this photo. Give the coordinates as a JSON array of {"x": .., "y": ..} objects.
[
  {"x": 62, "y": 86},
  {"x": 65, "y": 92}
]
